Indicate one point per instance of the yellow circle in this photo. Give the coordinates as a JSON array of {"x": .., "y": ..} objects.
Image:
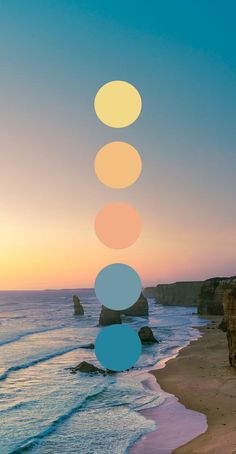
[
  {"x": 118, "y": 104},
  {"x": 118, "y": 165}
]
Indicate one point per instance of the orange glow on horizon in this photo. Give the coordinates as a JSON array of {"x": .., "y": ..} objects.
[{"x": 40, "y": 255}]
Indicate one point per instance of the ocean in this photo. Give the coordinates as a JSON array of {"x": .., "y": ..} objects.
[{"x": 46, "y": 409}]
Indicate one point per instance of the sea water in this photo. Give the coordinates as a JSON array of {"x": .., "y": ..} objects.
[{"x": 46, "y": 409}]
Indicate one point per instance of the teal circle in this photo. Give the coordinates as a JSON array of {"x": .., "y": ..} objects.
[
  {"x": 118, "y": 347},
  {"x": 118, "y": 286}
]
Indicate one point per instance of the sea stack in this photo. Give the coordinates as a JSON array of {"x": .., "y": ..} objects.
[
  {"x": 78, "y": 308},
  {"x": 139, "y": 309},
  {"x": 110, "y": 316}
]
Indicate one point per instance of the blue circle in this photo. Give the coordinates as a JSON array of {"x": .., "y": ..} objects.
[
  {"x": 118, "y": 347},
  {"x": 118, "y": 286}
]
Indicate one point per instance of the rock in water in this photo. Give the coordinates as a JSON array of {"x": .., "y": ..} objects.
[
  {"x": 87, "y": 368},
  {"x": 146, "y": 335},
  {"x": 229, "y": 302},
  {"x": 78, "y": 308},
  {"x": 109, "y": 317},
  {"x": 89, "y": 346},
  {"x": 139, "y": 309},
  {"x": 210, "y": 300}
]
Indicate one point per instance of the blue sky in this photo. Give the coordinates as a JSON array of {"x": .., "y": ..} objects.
[{"x": 181, "y": 57}]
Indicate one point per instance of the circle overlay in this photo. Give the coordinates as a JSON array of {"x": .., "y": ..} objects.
[
  {"x": 118, "y": 347},
  {"x": 118, "y": 165},
  {"x": 118, "y": 286},
  {"x": 118, "y": 104},
  {"x": 118, "y": 225}
]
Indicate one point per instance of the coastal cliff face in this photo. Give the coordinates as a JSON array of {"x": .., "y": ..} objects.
[
  {"x": 176, "y": 294},
  {"x": 229, "y": 303},
  {"x": 210, "y": 301}
]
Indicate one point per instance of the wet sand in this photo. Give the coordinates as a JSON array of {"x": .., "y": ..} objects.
[{"x": 176, "y": 426}]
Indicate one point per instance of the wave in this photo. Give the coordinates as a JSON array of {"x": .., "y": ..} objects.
[
  {"x": 29, "y": 333},
  {"x": 13, "y": 407},
  {"x": 38, "y": 360},
  {"x": 33, "y": 441}
]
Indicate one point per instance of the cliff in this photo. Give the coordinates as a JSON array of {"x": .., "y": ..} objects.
[
  {"x": 176, "y": 294},
  {"x": 229, "y": 304},
  {"x": 210, "y": 301}
]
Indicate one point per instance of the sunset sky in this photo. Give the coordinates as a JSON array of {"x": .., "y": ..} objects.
[{"x": 55, "y": 55}]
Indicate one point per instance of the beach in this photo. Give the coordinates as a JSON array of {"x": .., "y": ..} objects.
[{"x": 202, "y": 380}]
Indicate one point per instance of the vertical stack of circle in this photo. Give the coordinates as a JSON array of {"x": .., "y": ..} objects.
[{"x": 118, "y": 165}]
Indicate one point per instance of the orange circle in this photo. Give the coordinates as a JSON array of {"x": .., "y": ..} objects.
[
  {"x": 118, "y": 165},
  {"x": 118, "y": 225}
]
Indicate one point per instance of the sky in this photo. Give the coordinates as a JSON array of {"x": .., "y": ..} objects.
[{"x": 55, "y": 55}]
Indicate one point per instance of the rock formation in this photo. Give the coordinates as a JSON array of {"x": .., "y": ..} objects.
[
  {"x": 87, "y": 368},
  {"x": 139, "y": 309},
  {"x": 88, "y": 346},
  {"x": 223, "y": 325},
  {"x": 176, "y": 294},
  {"x": 210, "y": 301},
  {"x": 229, "y": 303},
  {"x": 110, "y": 317},
  {"x": 146, "y": 335},
  {"x": 78, "y": 308}
]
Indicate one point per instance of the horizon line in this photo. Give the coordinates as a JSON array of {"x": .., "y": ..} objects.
[{"x": 92, "y": 288}]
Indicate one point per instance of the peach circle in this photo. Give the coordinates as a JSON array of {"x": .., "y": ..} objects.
[
  {"x": 118, "y": 225},
  {"x": 118, "y": 165}
]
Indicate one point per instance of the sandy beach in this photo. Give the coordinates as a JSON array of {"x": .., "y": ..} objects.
[
  {"x": 201, "y": 403},
  {"x": 203, "y": 381}
]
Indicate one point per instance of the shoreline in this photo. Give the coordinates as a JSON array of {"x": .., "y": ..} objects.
[
  {"x": 203, "y": 382},
  {"x": 171, "y": 413}
]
